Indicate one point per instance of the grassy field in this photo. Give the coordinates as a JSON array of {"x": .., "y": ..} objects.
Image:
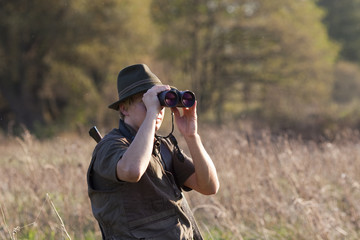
[{"x": 272, "y": 187}]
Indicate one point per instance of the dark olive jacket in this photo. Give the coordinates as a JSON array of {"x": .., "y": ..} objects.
[{"x": 154, "y": 207}]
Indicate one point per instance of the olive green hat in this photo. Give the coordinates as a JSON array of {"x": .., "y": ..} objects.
[{"x": 132, "y": 80}]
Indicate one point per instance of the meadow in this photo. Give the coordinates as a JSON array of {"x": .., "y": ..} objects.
[{"x": 272, "y": 187}]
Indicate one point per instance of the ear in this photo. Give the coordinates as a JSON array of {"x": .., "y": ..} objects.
[{"x": 123, "y": 110}]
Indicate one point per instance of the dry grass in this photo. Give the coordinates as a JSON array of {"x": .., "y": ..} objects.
[
  {"x": 31, "y": 173},
  {"x": 271, "y": 187}
]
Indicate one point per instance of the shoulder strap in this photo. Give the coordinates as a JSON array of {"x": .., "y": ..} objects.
[{"x": 178, "y": 152}]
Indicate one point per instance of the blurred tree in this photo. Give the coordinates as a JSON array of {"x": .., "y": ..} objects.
[
  {"x": 346, "y": 94},
  {"x": 196, "y": 43},
  {"x": 342, "y": 20},
  {"x": 56, "y": 57},
  {"x": 347, "y": 82},
  {"x": 297, "y": 68},
  {"x": 243, "y": 56}
]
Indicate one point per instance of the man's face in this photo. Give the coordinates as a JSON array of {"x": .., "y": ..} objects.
[{"x": 137, "y": 112}]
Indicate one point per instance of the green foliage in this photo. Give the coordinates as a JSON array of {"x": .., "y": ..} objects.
[
  {"x": 347, "y": 83},
  {"x": 274, "y": 58},
  {"x": 297, "y": 70},
  {"x": 218, "y": 234},
  {"x": 35, "y": 234},
  {"x": 58, "y": 57},
  {"x": 265, "y": 61},
  {"x": 342, "y": 20}
]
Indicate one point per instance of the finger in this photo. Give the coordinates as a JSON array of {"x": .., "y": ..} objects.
[
  {"x": 159, "y": 88},
  {"x": 190, "y": 110},
  {"x": 175, "y": 111}
]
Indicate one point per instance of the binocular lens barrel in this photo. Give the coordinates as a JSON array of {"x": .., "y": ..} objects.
[
  {"x": 170, "y": 99},
  {"x": 187, "y": 98},
  {"x": 176, "y": 98}
]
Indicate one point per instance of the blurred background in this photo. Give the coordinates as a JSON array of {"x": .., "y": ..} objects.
[
  {"x": 287, "y": 65},
  {"x": 277, "y": 82}
]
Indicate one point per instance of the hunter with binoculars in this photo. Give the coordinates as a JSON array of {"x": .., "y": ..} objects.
[{"x": 136, "y": 178}]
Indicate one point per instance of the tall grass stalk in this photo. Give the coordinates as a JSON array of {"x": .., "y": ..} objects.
[
  {"x": 272, "y": 187},
  {"x": 6, "y": 227},
  {"x": 58, "y": 216}
]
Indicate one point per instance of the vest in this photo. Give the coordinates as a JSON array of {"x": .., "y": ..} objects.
[{"x": 154, "y": 207}]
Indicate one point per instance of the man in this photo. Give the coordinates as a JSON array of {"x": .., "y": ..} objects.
[{"x": 135, "y": 178}]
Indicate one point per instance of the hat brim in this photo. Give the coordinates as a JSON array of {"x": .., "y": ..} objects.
[
  {"x": 115, "y": 105},
  {"x": 142, "y": 88}
]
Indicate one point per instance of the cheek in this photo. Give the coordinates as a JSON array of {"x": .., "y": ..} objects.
[
  {"x": 140, "y": 108},
  {"x": 142, "y": 113}
]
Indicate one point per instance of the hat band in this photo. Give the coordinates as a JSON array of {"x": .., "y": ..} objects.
[{"x": 136, "y": 84}]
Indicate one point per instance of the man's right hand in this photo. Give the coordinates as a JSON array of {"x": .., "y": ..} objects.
[{"x": 151, "y": 100}]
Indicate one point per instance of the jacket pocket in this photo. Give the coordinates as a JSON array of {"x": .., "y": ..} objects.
[{"x": 166, "y": 228}]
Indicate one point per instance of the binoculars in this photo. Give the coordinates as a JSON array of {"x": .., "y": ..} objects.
[{"x": 176, "y": 98}]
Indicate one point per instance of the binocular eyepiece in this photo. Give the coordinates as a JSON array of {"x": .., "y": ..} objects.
[{"x": 176, "y": 98}]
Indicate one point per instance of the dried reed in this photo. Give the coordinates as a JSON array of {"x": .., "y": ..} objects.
[{"x": 272, "y": 187}]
